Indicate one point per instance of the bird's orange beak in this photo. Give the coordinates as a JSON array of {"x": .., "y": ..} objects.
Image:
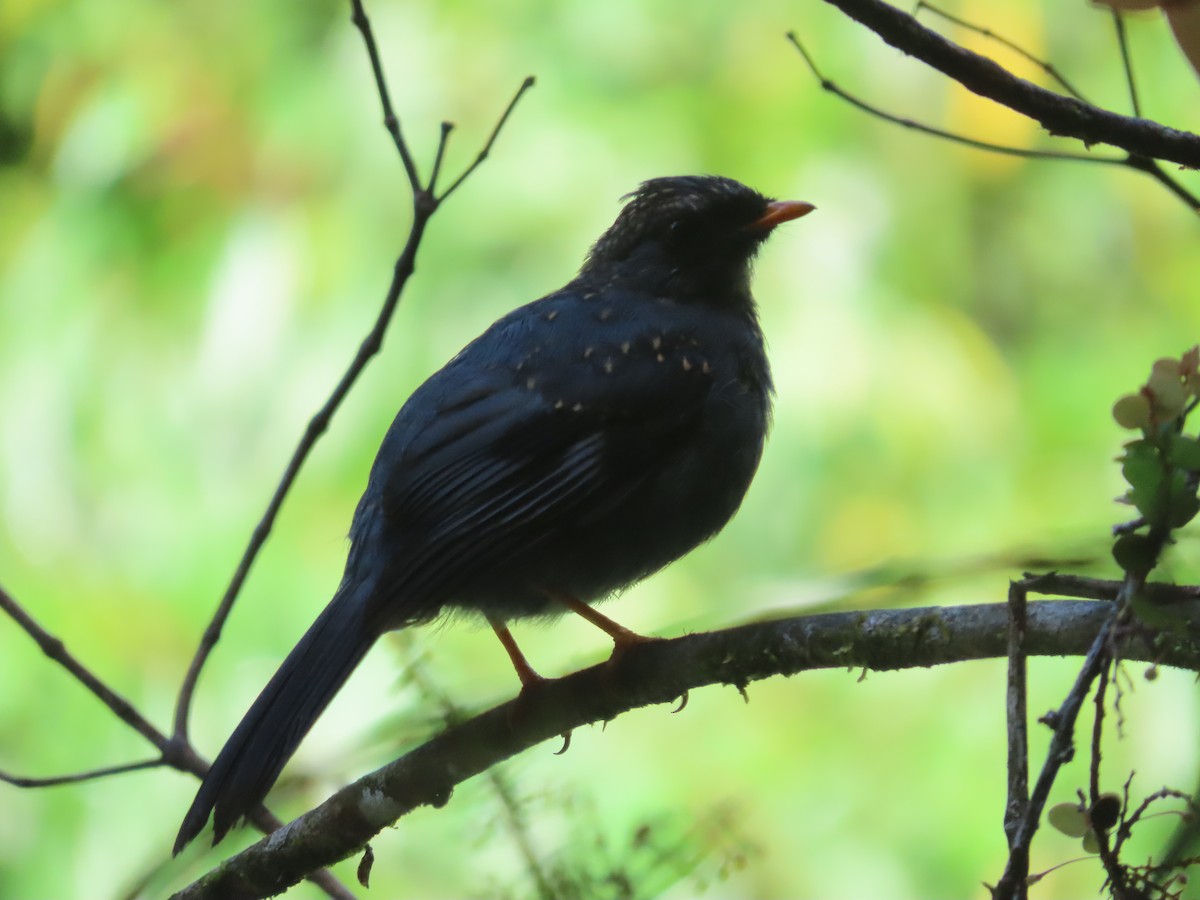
[{"x": 780, "y": 211}]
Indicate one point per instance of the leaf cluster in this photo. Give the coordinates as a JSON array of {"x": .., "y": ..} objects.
[{"x": 1162, "y": 467}]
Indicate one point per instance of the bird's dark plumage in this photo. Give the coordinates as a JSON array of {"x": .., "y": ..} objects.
[{"x": 579, "y": 444}]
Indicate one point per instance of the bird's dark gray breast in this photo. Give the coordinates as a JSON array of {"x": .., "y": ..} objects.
[{"x": 581, "y": 443}]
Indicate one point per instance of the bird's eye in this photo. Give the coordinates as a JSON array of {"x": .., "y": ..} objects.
[{"x": 681, "y": 231}]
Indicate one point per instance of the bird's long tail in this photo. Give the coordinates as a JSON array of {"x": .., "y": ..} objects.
[{"x": 269, "y": 733}]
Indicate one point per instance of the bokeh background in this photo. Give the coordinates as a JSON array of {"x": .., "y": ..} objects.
[{"x": 199, "y": 211}]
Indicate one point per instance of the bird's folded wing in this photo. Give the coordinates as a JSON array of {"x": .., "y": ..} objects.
[{"x": 501, "y": 465}]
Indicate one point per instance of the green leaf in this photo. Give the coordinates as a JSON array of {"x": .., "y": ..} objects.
[
  {"x": 1069, "y": 819},
  {"x": 1175, "y": 618},
  {"x": 1134, "y": 552},
  {"x": 1143, "y": 467},
  {"x": 1183, "y": 503},
  {"x": 1132, "y": 411},
  {"x": 1185, "y": 453}
]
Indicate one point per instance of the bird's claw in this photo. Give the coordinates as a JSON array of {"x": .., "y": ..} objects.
[{"x": 565, "y": 745}]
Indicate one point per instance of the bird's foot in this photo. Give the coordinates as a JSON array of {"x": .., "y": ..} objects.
[
  {"x": 531, "y": 681},
  {"x": 625, "y": 640},
  {"x": 531, "y": 684}
]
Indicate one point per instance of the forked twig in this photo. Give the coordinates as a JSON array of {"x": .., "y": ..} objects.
[
  {"x": 56, "y": 650},
  {"x": 175, "y": 754},
  {"x": 424, "y": 206},
  {"x": 487, "y": 147}
]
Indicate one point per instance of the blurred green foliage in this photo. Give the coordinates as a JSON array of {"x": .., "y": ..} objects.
[{"x": 198, "y": 215}]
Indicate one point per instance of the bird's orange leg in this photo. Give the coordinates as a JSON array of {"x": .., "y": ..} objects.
[
  {"x": 529, "y": 677},
  {"x": 622, "y": 637}
]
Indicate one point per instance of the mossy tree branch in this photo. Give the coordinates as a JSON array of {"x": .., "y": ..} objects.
[{"x": 659, "y": 673}]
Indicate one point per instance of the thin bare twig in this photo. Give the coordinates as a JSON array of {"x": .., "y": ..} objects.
[
  {"x": 1155, "y": 171},
  {"x": 440, "y": 155},
  {"x": 358, "y": 15},
  {"x": 1160, "y": 593},
  {"x": 1125, "y": 831},
  {"x": 1145, "y": 141},
  {"x": 54, "y": 648},
  {"x": 487, "y": 147},
  {"x": 404, "y": 267},
  {"x": 1097, "y": 733},
  {"x": 833, "y": 88},
  {"x": 1049, "y": 68},
  {"x": 173, "y": 753},
  {"x": 1079, "y": 586},
  {"x": 1018, "y": 717},
  {"x": 77, "y": 777},
  {"x": 1108, "y": 858},
  {"x": 1126, "y": 62}
]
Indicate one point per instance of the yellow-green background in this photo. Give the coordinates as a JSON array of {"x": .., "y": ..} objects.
[{"x": 198, "y": 215}]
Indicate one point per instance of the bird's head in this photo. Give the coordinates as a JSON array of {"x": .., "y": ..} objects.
[{"x": 691, "y": 238}]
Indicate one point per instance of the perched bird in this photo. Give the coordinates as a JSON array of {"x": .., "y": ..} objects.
[{"x": 579, "y": 444}]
